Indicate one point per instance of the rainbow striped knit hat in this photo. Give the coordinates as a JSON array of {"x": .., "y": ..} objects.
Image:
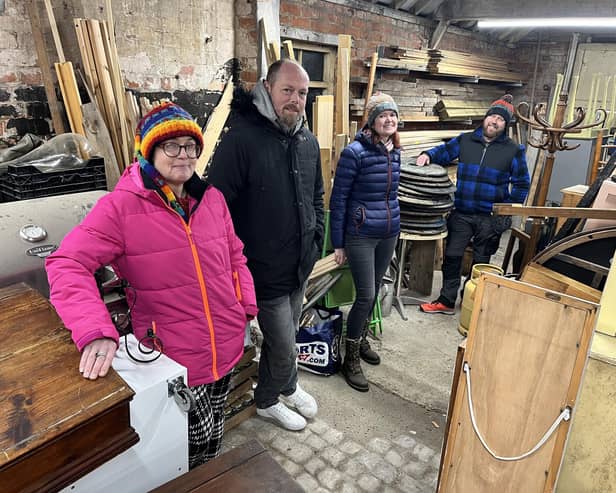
[{"x": 162, "y": 123}]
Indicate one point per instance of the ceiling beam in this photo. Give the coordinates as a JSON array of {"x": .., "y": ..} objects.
[
  {"x": 403, "y": 4},
  {"x": 426, "y": 7},
  {"x": 438, "y": 34},
  {"x": 482, "y": 9}
]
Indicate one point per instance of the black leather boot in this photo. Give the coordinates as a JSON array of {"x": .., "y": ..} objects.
[
  {"x": 365, "y": 351},
  {"x": 351, "y": 368}
]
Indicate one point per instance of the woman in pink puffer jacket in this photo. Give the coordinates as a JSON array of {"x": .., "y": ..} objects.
[{"x": 170, "y": 236}]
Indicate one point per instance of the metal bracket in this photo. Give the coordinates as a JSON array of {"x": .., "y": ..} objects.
[{"x": 182, "y": 395}]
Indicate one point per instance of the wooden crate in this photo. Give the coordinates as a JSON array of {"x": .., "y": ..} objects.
[{"x": 55, "y": 426}]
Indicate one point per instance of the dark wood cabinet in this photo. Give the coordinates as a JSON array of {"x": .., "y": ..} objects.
[{"x": 55, "y": 425}]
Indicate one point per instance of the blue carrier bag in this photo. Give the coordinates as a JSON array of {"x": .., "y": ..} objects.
[{"x": 318, "y": 342}]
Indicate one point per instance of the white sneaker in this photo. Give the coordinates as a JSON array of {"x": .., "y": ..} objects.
[
  {"x": 303, "y": 402},
  {"x": 283, "y": 416}
]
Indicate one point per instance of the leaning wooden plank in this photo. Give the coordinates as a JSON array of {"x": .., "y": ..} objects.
[
  {"x": 132, "y": 111},
  {"x": 275, "y": 50},
  {"x": 98, "y": 135},
  {"x": 547, "y": 278},
  {"x": 215, "y": 124},
  {"x": 340, "y": 142},
  {"x": 54, "y": 31},
  {"x": 85, "y": 60},
  {"x": 44, "y": 66},
  {"x": 70, "y": 94},
  {"x": 88, "y": 62},
  {"x": 117, "y": 87},
  {"x": 373, "y": 62},
  {"x": 265, "y": 41},
  {"x": 104, "y": 76},
  {"x": 343, "y": 75},
  {"x": 522, "y": 370},
  {"x": 324, "y": 120},
  {"x": 326, "y": 171},
  {"x": 287, "y": 48},
  {"x": 67, "y": 107}
]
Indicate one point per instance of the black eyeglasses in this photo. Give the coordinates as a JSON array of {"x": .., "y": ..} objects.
[{"x": 171, "y": 149}]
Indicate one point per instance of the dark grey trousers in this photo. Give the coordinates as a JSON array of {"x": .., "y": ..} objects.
[
  {"x": 485, "y": 231},
  {"x": 279, "y": 322},
  {"x": 368, "y": 259}
]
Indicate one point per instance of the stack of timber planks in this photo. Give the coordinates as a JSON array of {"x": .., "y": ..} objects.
[
  {"x": 403, "y": 58},
  {"x": 117, "y": 106},
  {"x": 462, "y": 109},
  {"x": 463, "y": 64}
]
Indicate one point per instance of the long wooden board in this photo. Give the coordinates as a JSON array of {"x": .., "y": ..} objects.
[
  {"x": 44, "y": 65},
  {"x": 214, "y": 126},
  {"x": 526, "y": 367}
]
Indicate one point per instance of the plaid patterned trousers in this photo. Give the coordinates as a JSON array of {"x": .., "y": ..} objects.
[{"x": 206, "y": 422}]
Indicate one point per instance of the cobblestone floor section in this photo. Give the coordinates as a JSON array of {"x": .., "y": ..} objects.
[{"x": 322, "y": 459}]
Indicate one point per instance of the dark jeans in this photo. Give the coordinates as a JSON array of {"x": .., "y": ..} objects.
[
  {"x": 484, "y": 230},
  {"x": 279, "y": 322},
  {"x": 368, "y": 259}
]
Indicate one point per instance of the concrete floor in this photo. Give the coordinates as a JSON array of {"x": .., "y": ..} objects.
[{"x": 409, "y": 390}]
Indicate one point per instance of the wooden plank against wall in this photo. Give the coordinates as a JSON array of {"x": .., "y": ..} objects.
[
  {"x": 340, "y": 142},
  {"x": 373, "y": 62},
  {"x": 215, "y": 124},
  {"x": 326, "y": 171},
  {"x": 343, "y": 75},
  {"x": 97, "y": 133},
  {"x": 70, "y": 95},
  {"x": 45, "y": 67},
  {"x": 117, "y": 84},
  {"x": 525, "y": 368},
  {"x": 266, "y": 41},
  {"x": 54, "y": 31},
  {"x": 287, "y": 47},
  {"x": 103, "y": 71},
  {"x": 324, "y": 124}
]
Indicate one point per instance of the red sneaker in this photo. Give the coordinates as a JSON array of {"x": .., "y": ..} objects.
[{"x": 437, "y": 307}]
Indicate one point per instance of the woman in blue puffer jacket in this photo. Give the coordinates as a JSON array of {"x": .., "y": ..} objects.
[{"x": 365, "y": 222}]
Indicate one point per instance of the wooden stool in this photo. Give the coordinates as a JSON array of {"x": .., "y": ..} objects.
[{"x": 423, "y": 256}]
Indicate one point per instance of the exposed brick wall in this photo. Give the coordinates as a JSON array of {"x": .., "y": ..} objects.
[
  {"x": 372, "y": 26},
  {"x": 246, "y": 38},
  {"x": 371, "y": 29},
  {"x": 176, "y": 47},
  {"x": 23, "y": 103}
]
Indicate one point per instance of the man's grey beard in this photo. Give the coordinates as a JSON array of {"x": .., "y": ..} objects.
[{"x": 289, "y": 124}]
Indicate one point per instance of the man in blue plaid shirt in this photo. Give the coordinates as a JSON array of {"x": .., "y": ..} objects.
[{"x": 491, "y": 169}]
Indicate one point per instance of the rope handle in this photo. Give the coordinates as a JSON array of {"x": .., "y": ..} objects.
[{"x": 565, "y": 415}]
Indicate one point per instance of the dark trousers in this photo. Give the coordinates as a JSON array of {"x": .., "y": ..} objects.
[
  {"x": 368, "y": 259},
  {"x": 484, "y": 230},
  {"x": 279, "y": 322}
]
